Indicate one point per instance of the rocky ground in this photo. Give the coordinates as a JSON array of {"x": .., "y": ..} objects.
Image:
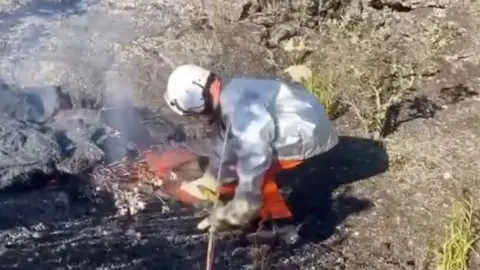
[{"x": 414, "y": 64}]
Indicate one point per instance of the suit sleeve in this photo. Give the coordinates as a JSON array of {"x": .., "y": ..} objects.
[{"x": 254, "y": 129}]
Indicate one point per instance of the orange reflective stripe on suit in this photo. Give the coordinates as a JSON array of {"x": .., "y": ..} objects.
[{"x": 274, "y": 206}]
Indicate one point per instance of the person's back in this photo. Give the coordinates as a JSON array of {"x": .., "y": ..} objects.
[{"x": 301, "y": 126}]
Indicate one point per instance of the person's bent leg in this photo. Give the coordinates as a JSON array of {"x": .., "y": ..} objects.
[{"x": 274, "y": 206}]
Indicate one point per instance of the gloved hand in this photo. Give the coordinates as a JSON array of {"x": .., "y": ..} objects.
[{"x": 238, "y": 212}]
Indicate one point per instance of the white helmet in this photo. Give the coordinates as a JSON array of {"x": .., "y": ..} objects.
[{"x": 186, "y": 89}]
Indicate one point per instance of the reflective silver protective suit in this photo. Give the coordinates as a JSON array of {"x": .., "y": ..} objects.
[{"x": 270, "y": 119}]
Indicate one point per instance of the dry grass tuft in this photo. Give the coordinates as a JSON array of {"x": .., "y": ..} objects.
[
  {"x": 324, "y": 88},
  {"x": 383, "y": 91},
  {"x": 460, "y": 237}
]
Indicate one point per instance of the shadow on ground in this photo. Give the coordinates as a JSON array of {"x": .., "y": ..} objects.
[
  {"x": 424, "y": 106},
  {"x": 316, "y": 203}
]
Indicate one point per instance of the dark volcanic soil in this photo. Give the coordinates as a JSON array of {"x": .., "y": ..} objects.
[
  {"x": 362, "y": 206},
  {"x": 67, "y": 231}
]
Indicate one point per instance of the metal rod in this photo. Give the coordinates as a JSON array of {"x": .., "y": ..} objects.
[{"x": 211, "y": 236}]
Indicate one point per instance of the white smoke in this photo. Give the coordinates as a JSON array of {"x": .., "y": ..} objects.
[{"x": 81, "y": 45}]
